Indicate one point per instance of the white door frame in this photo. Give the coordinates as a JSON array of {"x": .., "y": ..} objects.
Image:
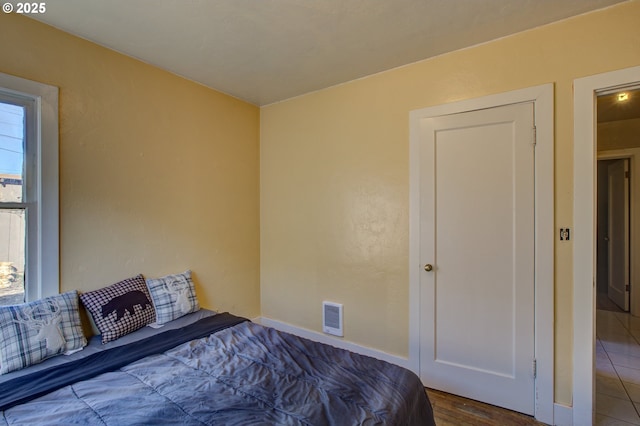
[
  {"x": 584, "y": 226},
  {"x": 542, "y": 97}
]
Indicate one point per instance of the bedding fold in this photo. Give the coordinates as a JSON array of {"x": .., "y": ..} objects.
[{"x": 25, "y": 388}]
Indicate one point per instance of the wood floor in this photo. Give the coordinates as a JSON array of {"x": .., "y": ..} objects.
[{"x": 451, "y": 410}]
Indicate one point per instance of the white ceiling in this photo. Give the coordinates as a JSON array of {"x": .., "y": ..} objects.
[{"x": 264, "y": 51}]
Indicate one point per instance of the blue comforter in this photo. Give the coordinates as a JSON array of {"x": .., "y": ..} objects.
[{"x": 245, "y": 374}]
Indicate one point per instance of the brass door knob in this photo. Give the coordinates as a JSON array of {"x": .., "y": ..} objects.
[{"x": 428, "y": 267}]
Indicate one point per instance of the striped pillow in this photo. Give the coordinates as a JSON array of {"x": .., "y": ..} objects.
[
  {"x": 173, "y": 296},
  {"x": 32, "y": 332}
]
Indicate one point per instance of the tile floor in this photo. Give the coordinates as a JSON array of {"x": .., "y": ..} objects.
[{"x": 617, "y": 368}]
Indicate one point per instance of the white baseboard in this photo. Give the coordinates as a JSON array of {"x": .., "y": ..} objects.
[
  {"x": 332, "y": 341},
  {"x": 562, "y": 415}
]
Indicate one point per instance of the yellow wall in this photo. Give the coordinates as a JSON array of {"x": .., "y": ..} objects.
[
  {"x": 621, "y": 134},
  {"x": 157, "y": 174},
  {"x": 335, "y": 176}
]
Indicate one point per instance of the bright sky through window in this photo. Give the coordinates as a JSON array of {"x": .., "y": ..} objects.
[{"x": 11, "y": 139}]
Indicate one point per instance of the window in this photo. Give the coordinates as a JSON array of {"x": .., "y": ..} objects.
[{"x": 29, "y": 259}]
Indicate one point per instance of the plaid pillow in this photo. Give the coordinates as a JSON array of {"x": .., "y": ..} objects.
[
  {"x": 121, "y": 308},
  {"x": 173, "y": 296},
  {"x": 32, "y": 332}
]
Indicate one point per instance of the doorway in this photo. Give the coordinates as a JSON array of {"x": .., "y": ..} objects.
[
  {"x": 613, "y": 273},
  {"x": 617, "y": 142},
  {"x": 586, "y": 91}
]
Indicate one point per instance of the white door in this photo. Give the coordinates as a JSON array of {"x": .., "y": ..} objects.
[
  {"x": 619, "y": 233},
  {"x": 477, "y": 233}
]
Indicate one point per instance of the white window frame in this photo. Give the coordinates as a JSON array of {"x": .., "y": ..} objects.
[{"x": 42, "y": 251}]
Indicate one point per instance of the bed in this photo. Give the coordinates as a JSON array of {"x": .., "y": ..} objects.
[{"x": 213, "y": 369}]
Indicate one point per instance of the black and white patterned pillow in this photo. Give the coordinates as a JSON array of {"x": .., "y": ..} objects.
[
  {"x": 32, "y": 332},
  {"x": 120, "y": 308},
  {"x": 173, "y": 296}
]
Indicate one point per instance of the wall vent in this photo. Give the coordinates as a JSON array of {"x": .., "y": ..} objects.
[{"x": 332, "y": 318}]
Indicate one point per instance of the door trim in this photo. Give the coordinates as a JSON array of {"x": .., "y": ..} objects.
[
  {"x": 542, "y": 97},
  {"x": 584, "y": 225}
]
